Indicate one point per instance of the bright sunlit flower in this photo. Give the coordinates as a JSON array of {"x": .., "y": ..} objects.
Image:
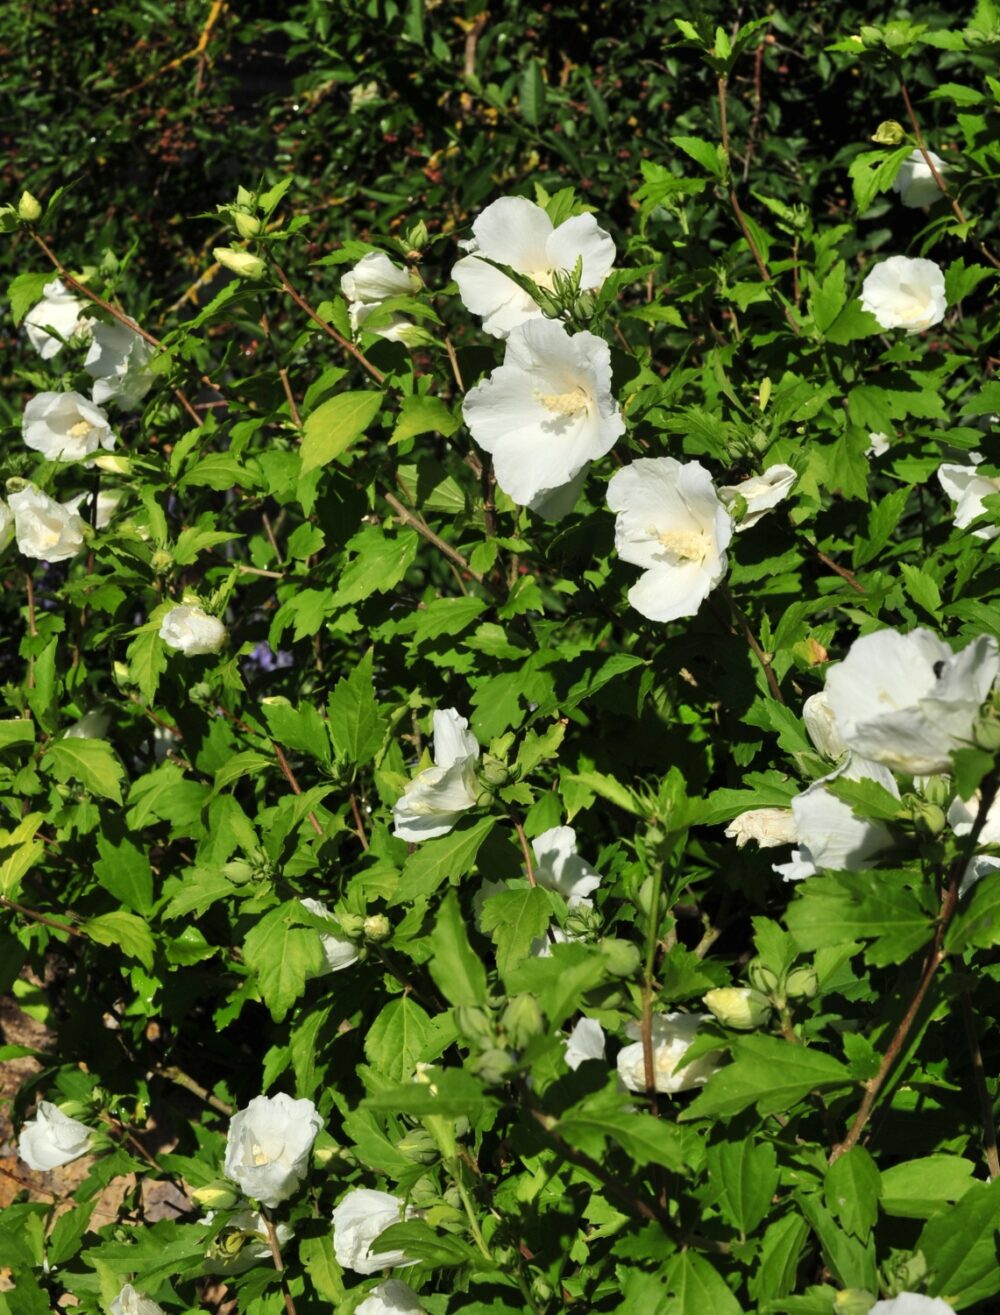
[
  {"x": 58, "y": 310},
  {"x": 435, "y": 799},
  {"x": 357, "y": 1221},
  {"x": 908, "y": 701},
  {"x": 672, "y": 1035},
  {"x": 672, "y": 523},
  {"x": 65, "y": 427},
  {"x": 760, "y": 493},
  {"x": 118, "y": 362},
  {"x": 392, "y": 1297},
  {"x": 515, "y": 232},
  {"x": 821, "y": 726},
  {"x": 769, "y": 827},
  {"x": 586, "y": 1041},
  {"x": 915, "y": 181},
  {"x": 107, "y": 505},
  {"x": 45, "y": 528},
  {"x": 878, "y": 444},
  {"x": 192, "y": 631},
  {"x": 268, "y": 1146},
  {"x": 372, "y": 281},
  {"x": 52, "y": 1138},
  {"x": 912, "y": 1303},
  {"x": 546, "y": 411},
  {"x": 131, "y": 1302},
  {"x": 962, "y": 816},
  {"x": 967, "y": 489},
  {"x": 559, "y": 867},
  {"x": 905, "y": 294}
]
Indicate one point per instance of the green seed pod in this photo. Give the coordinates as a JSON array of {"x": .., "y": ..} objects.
[{"x": 419, "y": 1147}]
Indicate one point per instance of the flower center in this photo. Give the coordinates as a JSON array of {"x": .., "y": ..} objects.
[
  {"x": 259, "y": 1155},
  {"x": 575, "y": 402},
  {"x": 913, "y": 304},
  {"x": 82, "y": 429},
  {"x": 685, "y": 545},
  {"x": 543, "y": 277}
]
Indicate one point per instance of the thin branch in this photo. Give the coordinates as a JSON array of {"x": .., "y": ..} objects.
[
  {"x": 411, "y": 518},
  {"x": 956, "y": 209},
  {"x": 42, "y": 918},
  {"x": 755, "y": 648},
  {"x": 982, "y": 1091},
  {"x": 529, "y": 863},
  {"x": 181, "y": 1079},
  {"x": 289, "y": 776},
  {"x": 279, "y": 1264},
  {"x": 934, "y": 960},
  {"x": 359, "y": 825},
  {"x": 842, "y": 571},
  {"x": 328, "y": 329}
]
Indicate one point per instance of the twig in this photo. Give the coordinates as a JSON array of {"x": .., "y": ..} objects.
[
  {"x": 296, "y": 788},
  {"x": 934, "y": 960},
  {"x": 842, "y": 571},
  {"x": 472, "y": 40},
  {"x": 758, "y": 101},
  {"x": 181, "y": 1079},
  {"x": 979, "y": 1075},
  {"x": 411, "y": 518},
  {"x": 279, "y": 1264},
  {"x": 755, "y": 648},
  {"x": 218, "y": 7},
  {"x": 328, "y": 329},
  {"x": 46, "y": 921},
  {"x": 765, "y": 273},
  {"x": 529, "y": 864},
  {"x": 449, "y": 347},
  {"x": 956, "y": 209},
  {"x": 293, "y": 409},
  {"x": 359, "y": 825}
]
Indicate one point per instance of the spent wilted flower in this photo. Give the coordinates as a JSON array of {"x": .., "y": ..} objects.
[
  {"x": 546, "y": 411},
  {"x": 52, "y": 1138},
  {"x": 58, "y": 310},
  {"x": 65, "y": 426},
  {"x": 436, "y": 798},
  {"x": 358, "y": 1220},
  {"x": 905, "y": 294},
  {"x": 915, "y": 181},
  {"x": 769, "y": 827},
  {"x": 516, "y": 232},
  {"x": 671, "y": 522},
  {"x": 268, "y": 1146},
  {"x": 192, "y": 631}
]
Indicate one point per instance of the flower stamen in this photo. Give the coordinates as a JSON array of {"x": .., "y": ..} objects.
[{"x": 574, "y": 402}]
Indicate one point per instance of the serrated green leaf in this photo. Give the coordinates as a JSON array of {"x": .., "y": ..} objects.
[
  {"x": 450, "y": 856},
  {"x": 92, "y": 763},
  {"x": 126, "y": 931},
  {"x": 397, "y": 1039},
  {"x": 457, "y": 971},
  {"x": 769, "y": 1073},
  {"x": 516, "y": 918},
  {"x": 357, "y": 727},
  {"x": 696, "y": 1287},
  {"x": 335, "y": 424},
  {"x": 852, "y": 1188},
  {"x": 283, "y": 957}
]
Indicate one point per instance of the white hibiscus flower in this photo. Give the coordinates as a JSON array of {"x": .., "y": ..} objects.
[
  {"x": 546, "y": 411},
  {"x": 829, "y": 836},
  {"x": 760, "y": 493},
  {"x": 118, "y": 362},
  {"x": 905, "y": 294},
  {"x": 915, "y": 181},
  {"x": 671, "y": 522},
  {"x": 65, "y": 426},
  {"x": 967, "y": 489},
  {"x": 60, "y": 310},
  {"x": 435, "y": 799},
  {"x": 559, "y": 867},
  {"x": 515, "y": 232},
  {"x": 372, "y": 281}
]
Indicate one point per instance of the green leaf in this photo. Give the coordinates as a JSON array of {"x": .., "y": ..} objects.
[
  {"x": 707, "y": 154},
  {"x": 283, "y": 957},
  {"x": 24, "y": 291},
  {"x": 20, "y": 730},
  {"x": 648, "y": 1140},
  {"x": 978, "y": 923},
  {"x": 92, "y": 763},
  {"x": 560, "y": 979},
  {"x": 147, "y": 661},
  {"x": 238, "y": 765},
  {"x": 316, "y": 1255},
  {"x": 780, "y": 1251},
  {"x": 531, "y": 95},
  {"x": 357, "y": 728},
  {"x": 123, "y": 869},
  {"x": 918, "y": 1189},
  {"x": 457, "y": 972},
  {"x": 851, "y": 1262},
  {"x": 516, "y": 918},
  {"x": 852, "y": 1188},
  {"x": 124, "y": 930},
  {"x": 748, "y": 1176},
  {"x": 435, "y": 1250},
  {"x": 423, "y": 415},
  {"x": 830, "y": 297},
  {"x": 450, "y": 856},
  {"x": 380, "y": 563},
  {"x": 849, "y": 906},
  {"x": 335, "y": 424},
  {"x": 960, "y": 1247},
  {"x": 297, "y": 728},
  {"x": 397, "y": 1039},
  {"x": 772, "y": 1074},
  {"x": 697, "y": 1288}
]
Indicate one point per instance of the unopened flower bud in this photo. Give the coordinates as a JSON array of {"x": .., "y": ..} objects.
[
  {"x": 522, "y": 1020},
  {"x": 240, "y": 262},
  {"x": 853, "y": 1301},
  {"x": 416, "y": 238},
  {"x": 246, "y": 225},
  {"x": 113, "y": 464},
  {"x": 762, "y": 978},
  {"x": 161, "y": 561},
  {"x": 494, "y": 773},
  {"x": 475, "y": 1025},
  {"x": 351, "y": 924},
  {"x": 801, "y": 983},
  {"x": 237, "y": 870},
  {"x": 418, "y": 1146},
  {"x": 494, "y": 1066},
  {"x": 936, "y": 789},
  {"x": 928, "y": 819},
  {"x": 889, "y": 133},
  {"x": 621, "y": 958},
  {"x": 29, "y": 208},
  {"x": 377, "y": 927},
  {"x": 215, "y": 1196},
  {"x": 986, "y": 733},
  {"x": 739, "y": 1007}
]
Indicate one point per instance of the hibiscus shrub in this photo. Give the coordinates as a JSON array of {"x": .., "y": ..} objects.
[{"x": 418, "y": 630}]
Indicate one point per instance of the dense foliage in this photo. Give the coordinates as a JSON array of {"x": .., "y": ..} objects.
[{"x": 413, "y": 648}]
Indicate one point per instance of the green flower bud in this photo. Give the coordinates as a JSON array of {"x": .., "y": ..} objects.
[
  {"x": 937, "y": 790},
  {"x": 739, "y": 1007},
  {"x": 889, "y": 133},
  {"x": 645, "y": 898},
  {"x": 416, "y": 239},
  {"x": 986, "y": 733},
  {"x": 419, "y": 1147},
  {"x": 494, "y": 1066},
  {"x": 216, "y": 1196},
  {"x": 494, "y": 773},
  {"x": 762, "y": 978},
  {"x": 237, "y": 870},
  {"x": 240, "y": 262},
  {"x": 801, "y": 983},
  {"x": 112, "y": 463},
  {"x": 161, "y": 561},
  {"x": 621, "y": 958},
  {"x": 246, "y": 225},
  {"x": 853, "y": 1301},
  {"x": 475, "y": 1025},
  {"x": 522, "y": 1020},
  {"x": 351, "y": 924},
  {"x": 29, "y": 208},
  {"x": 928, "y": 819},
  {"x": 245, "y": 198},
  {"x": 377, "y": 927}
]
